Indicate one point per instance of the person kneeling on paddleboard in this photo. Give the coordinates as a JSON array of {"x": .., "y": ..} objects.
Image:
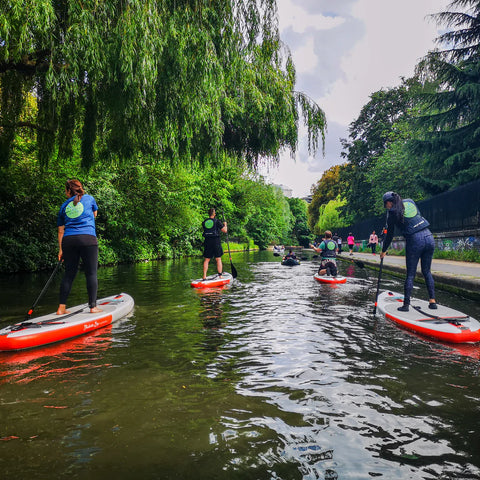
[
  {"x": 212, "y": 247},
  {"x": 419, "y": 243},
  {"x": 328, "y": 251}
]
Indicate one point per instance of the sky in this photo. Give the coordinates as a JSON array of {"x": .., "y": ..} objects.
[{"x": 343, "y": 51}]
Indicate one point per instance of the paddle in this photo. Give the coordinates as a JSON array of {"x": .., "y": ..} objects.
[
  {"x": 378, "y": 286},
  {"x": 359, "y": 263},
  {"x": 29, "y": 314},
  {"x": 234, "y": 270}
]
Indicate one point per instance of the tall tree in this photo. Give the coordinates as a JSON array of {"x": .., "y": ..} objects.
[
  {"x": 180, "y": 80},
  {"x": 301, "y": 234},
  {"x": 329, "y": 187},
  {"x": 451, "y": 115},
  {"x": 369, "y": 136}
]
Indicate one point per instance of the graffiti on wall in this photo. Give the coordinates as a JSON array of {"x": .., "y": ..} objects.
[{"x": 458, "y": 244}]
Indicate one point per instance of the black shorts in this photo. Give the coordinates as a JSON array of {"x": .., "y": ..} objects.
[{"x": 212, "y": 247}]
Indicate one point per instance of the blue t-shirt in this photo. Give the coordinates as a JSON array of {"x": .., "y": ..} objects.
[{"x": 79, "y": 219}]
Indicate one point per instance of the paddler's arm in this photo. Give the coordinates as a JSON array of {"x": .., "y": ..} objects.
[
  {"x": 61, "y": 231},
  {"x": 389, "y": 236},
  {"x": 224, "y": 229}
]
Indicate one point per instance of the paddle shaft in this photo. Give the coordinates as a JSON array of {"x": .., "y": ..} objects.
[
  {"x": 234, "y": 270},
  {"x": 42, "y": 293},
  {"x": 378, "y": 285},
  {"x": 359, "y": 263}
]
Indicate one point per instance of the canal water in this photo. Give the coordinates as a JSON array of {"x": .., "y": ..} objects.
[{"x": 276, "y": 377}]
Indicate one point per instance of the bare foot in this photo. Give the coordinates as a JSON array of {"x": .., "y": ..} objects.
[
  {"x": 95, "y": 310},
  {"x": 62, "y": 311}
]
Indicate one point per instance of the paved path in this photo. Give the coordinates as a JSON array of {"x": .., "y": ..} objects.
[{"x": 460, "y": 276}]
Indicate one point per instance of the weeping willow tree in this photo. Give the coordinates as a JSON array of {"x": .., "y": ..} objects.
[
  {"x": 183, "y": 80},
  {"x": 451, "y": 115}
]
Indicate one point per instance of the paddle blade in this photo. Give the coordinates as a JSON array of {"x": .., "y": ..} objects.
[{"x": 234, "y": 270}]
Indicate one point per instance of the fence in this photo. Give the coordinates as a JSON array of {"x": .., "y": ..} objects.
[{"x": 454, "y": 218}]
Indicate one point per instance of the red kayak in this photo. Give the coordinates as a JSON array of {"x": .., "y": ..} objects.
[{"x": 329, "y": 279}]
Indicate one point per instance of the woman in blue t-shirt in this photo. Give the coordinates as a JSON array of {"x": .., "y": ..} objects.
[{"x": 77, "y": 240}]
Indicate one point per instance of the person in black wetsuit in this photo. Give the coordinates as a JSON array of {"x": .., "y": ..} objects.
[
  {"x": 420, "y": 245},
  {"x": 212, "y": 246}
]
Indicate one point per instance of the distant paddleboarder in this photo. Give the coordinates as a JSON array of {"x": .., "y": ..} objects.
[
  {"x": 212, "y": 246},
  {"x": 327, "y": 249}
]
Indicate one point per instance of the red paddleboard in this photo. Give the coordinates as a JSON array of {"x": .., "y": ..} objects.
[
  {"x": 55, "y": 328},
  {"x": 444, "y": 323},
  {"x": 330, "y": 279},
  {"x": 212, "y": 281}
]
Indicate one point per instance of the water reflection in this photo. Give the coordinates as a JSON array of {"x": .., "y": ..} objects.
[
  {"x": 71, "y": 357},
  {"x": 211, "y": 315}
]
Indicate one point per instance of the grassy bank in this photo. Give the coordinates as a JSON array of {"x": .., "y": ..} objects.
[{"x": 456, "y": 255}]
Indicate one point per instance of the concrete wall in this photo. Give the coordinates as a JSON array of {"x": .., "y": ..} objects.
[{"x": 448, "y": 241}]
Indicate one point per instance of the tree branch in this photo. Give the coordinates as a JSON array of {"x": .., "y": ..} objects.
[
  {"x": 28, "y": 125},
  {"x": 29, "y": 64}
]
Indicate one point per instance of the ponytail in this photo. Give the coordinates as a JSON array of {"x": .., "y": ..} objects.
[
  {"x": 75, "y": 188},
  {"x": 398, "y": 206}
]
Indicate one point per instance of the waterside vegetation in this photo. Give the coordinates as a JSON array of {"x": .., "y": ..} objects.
[{"x": 162, "y": 109}]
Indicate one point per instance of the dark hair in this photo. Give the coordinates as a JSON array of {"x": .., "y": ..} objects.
[
  {"x": 75, "y": 187},
  {"x": 397, "y": 205},
  {"x": 328, "y": 234},
  {"x": 211, "y": 211}
]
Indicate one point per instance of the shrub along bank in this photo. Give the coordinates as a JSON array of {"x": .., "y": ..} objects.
[{"x": 146, "y": 210}]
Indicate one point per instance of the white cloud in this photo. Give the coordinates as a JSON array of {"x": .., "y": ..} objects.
[
  {"x": 293, "y": 14},
  {"x": 344, "y": 51},
  {"x": 397, "y": 36}
]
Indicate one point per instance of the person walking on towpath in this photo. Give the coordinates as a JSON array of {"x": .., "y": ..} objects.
[
  {"x": 419, "y": 243},
  {"x": 328, "y": 252},
  {"x": 338, "y": 241},
  {"x": 77, "y": 240},
  {"x": 373, "y": 242},
  {"x": 351, "y": 242},
  {"x": 212, "y": 247}
]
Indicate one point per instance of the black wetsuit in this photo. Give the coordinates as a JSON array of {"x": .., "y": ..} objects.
[
  {"x": 419, "y": 245},
  {"x": 212, "y": 246}
]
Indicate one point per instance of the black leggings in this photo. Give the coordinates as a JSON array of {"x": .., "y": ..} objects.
[
  {"x": 419, "y": 246},
  {"x": 76, "y": 247}
]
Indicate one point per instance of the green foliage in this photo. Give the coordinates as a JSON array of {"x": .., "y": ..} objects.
[
  {"x": 327, "y": 188},
  {"x": 370, "y": 134},
  {"x": 450, "y": 120},
  {"x": 267, "y": 216},
  {"x": 301, "y": 234},
  {"x": 330, "y": 217},
  {"x": 396, "y": 170},
  {"x": 185, "y": 81},
  {"x": 146, "y": 211},
  {"x": 460, "y": 256}
]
